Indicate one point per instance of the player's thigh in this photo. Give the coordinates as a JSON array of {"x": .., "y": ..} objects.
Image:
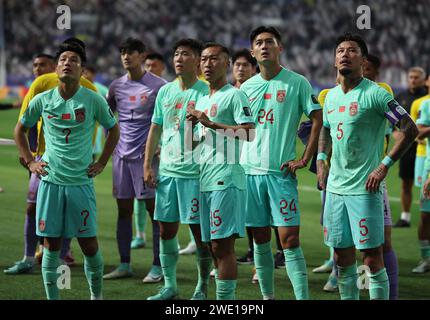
[
  {"x": 366, "y": 215},
  {"x": 284, "y": 201},
  {"x": 386, "y": 204},
  {"x": 419, "y": 170},
  {"x": 337, "y": 231},
  {"x": 257, "y": 205},
  {"x": 80, "y": 212},
  {"x": 122, "y": 180},
  {"x": 33, "y": 187},
  {"x": 141, "y": 190},
  {"x": 166, "y": 200},
  {"x": 50, "y": 210},
  {"x": 424, "y": 202},
  {"x": 188, "y": 195},
  {"x": 226, "y": 214}
]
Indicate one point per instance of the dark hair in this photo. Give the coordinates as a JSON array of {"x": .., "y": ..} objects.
[
  {"x": 194, "y": 44},
  {"x": 261, "y": 29},
  {"x": 374, "y": 60},
  {"x": 218, "y": 45},
  {"x": 91, "y": 69},
  {"x": 45, "y": 55},
  {"x": 75, "y": 40},
  {"x": 132, "y": 44},
  {"x": 74, "y": 47},
  {"x": 155, "y": 56},
  {"x": 246, "y": 54},
  {"x": 356, "y": 38}
]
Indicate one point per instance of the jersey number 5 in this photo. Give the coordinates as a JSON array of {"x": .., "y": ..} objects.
[{"x": 339, "y": 131}]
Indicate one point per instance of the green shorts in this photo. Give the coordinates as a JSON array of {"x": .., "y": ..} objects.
[
  {"x": 177, "y": 199},
  {"x": 419, "y": 171},
  {"x": 354, "y": 220},
  {"x": 66, "y": 211},
  {"x": 223, "y": 214},
  {"x": 272, "y": 200},
  {"x": 424, "y": 203}
]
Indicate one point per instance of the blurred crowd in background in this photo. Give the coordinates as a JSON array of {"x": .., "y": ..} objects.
[{"x": 309, "y": 29}]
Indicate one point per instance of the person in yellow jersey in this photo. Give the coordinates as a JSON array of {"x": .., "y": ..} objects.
[
  {"x": 37, "y": 143},
  {"x": 421, "y": 147}
]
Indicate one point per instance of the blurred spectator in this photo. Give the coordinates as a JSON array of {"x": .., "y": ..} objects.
[{"x": 309, "y": 28}]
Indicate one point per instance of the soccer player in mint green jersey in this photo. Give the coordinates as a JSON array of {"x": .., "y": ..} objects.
[
  {"x": 354, "y": 125},
  {"x": 177, "y": 185},
  {"x": 66, "y": 204},
  {"x": 423, "y": 123},
  {"x": 278, "y": 98},
  {"x": 223, "y": 120}
]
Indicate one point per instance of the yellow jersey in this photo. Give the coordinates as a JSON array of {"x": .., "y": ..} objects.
[
  {"x": 415, "y": 108},
  {"x": 41, "y": 84}
]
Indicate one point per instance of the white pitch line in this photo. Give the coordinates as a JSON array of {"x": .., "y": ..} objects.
[
  {"x": 6, "y": 142},
  {"x": 314, "y": 189}
]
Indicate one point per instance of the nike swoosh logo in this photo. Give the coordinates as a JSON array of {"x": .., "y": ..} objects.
[
  {"x": 364, "y": 240},
  {"x": 194, "y": 217},
  {"x": 213, "y": 232},
  {"x": 330, "y": 111},
  {"x": 81, "y": 231},
  {"x": 252, "y": 99},
  {"x": 288, "y": 219},
  {"x": 50, "y": 117}
]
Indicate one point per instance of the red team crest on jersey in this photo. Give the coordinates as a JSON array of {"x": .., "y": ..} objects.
[
  {"x": 280, "y": 96},
  {"x": 214, "y": 110},
  {"x": 42, "y": 225},
  {"x": 353, "y": 109},
  {"x": 191, "y": 104},
  {"x": 80, "y": 115},
  {"x": 143, "y": 99}
]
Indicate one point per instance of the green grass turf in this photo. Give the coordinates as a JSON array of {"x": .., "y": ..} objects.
[{"x": 14, "y": 179}]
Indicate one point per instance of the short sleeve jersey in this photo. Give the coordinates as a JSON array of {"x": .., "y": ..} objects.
[
  {"x": 134, "y": 101},
  {"x": 357, "y": 123},
  {"x": 277, "y": 106},
  {"x": 68, "y": 126},
  {"x": 220, "y": 155},
  {"x": 170, "y": 113}
]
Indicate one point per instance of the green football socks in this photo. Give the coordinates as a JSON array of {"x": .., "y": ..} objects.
[
  {"x": 169, "y": 259},
  {"x": 296, "y": 270}
]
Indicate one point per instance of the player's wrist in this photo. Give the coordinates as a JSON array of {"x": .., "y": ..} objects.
[
  {"x": 322, "y": 156},
  {"x": 304, "y": 162},
  {"x": 28, "y": 162},
  {"x": 387, "y": 162}
]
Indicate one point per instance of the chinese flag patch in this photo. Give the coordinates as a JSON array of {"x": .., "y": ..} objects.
[{"x": 66, "y": 116}]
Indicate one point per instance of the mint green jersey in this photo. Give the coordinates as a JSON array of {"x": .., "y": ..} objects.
[
  {"x": 101, "y": 89},
  {"x": 357, "y": 122},
  {"x": 277, "y": 106},
  {"x": 68, "y": 126},
  {"x": 424, "y": 120},
  {"x": 219, "y": 154},
  {"x": 170, "y": 113}
]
